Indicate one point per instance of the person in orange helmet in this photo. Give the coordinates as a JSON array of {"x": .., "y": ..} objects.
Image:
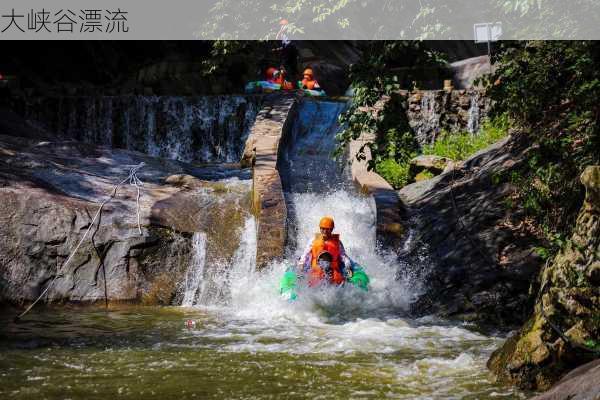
[
  {"x": 308, "y": 81},
  {"x": 325, "y": 258}
]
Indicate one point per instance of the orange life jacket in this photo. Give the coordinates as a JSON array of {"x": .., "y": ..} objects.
[
  {"x": 310, "y": 84},
  {"x": 332, "y": 246}
]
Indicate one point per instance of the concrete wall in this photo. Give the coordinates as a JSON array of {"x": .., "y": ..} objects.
[
  {"x": 387, "y": 202},
  {"x": 262, "y": 152}
]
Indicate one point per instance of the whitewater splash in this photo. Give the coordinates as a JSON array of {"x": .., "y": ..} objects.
[
  {"x": 195, "y": 272},
  {"x": 254, "y": 294},
  {"x": 424, "y": 358},
  {"x": 317, "y": 186}
]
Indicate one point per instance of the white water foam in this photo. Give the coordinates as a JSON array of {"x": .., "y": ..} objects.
[
  {"x": 195, "y": 272},
  {"x": 253, "y": 295},
  {"x": 473, "y": 122}
]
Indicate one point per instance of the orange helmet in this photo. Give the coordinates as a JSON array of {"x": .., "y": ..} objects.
[
  {"x": 284, "y": 22},
  {"x": 271, "y": 72},
  {"x": 308, "y": 72},
  {"x": 326, "y": 223}
]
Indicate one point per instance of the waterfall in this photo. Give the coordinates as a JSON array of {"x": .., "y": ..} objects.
[
  {"x": 193, "y": 276},
  {"x": 190, "y": 129},
  {"x": 473, "y": 122},
  {"x": 309, "y": 163},
  {"x": 217, "y": 281},
  {"x": 428, "y": 124}
]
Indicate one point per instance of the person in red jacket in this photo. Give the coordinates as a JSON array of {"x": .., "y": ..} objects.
[
  {"x": 270, "y": 74},
  {"x": 325, "y": 258},
  {"x": 280, "y": 78}
]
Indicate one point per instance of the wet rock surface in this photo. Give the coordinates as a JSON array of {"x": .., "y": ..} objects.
[
  {"x": 390, "y": 229},
  {"x": 481, "y": 265},
  {"x": 564, "y": 331},
  {"x": 50, "y": 191},
  {"x": 430, "y": 112}
]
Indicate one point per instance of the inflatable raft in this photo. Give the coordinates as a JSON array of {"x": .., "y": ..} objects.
[
  {"x": 288, "y": 286},
  {"x": 269, "y": 87}
]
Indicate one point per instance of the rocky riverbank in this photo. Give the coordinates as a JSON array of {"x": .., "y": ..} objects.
[
  {"x": 563, "y": 331},
  {"x": 51, "y": 189},
  {"x": 482, "y": 265}
]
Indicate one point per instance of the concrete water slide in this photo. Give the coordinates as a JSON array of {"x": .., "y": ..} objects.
[{"x": 267, "y": 149}]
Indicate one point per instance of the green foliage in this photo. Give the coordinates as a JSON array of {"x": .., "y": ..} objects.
[
  {"x": 456, "y": 146},
  {"x": 593, "y": 344},
  {"x": 549, "y": 90},
  {"x": 424, "y": 175},
  {"x": 395, "y": 173},
  {"x": 543, "y": 252},
  {"x": 460, "y": 146}
]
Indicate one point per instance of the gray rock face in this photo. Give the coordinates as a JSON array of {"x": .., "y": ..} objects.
[
  {"x": 580, "y": 384},
  {"x": 468, "y": 70},
  {"x": 482, "y": 264},
  {"x": 50, "y": 191}
]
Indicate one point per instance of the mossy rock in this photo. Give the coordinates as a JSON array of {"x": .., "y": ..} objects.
[
  {"x": 426, "y": 167},
  {"x": 423, "y": 176},
  {"x": 162, "y": 291},
  {"x": 566, "y": 320}
]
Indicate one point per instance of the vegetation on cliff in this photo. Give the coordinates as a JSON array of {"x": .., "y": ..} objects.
[
  {"x": 549, "y": 91},
  {"x": 564, "y": 330}
]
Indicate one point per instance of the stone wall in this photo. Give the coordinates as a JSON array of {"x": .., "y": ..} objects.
[
  {"x": 431, "y": 111},
  {"x": 262, "y": 152},
  {"x": 387, "y": 201}
]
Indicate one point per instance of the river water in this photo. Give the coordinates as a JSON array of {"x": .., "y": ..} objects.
[{"x": 332, "y": 343}]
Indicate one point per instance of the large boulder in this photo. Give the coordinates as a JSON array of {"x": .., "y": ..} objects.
[
  {"x": 583, "y": 383},
  {"x": 50, "y": 192},
  {"x": 480, "y": 263},
  {"x": 564, "y": 331}
]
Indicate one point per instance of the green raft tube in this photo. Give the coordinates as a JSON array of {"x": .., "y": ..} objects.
[{"x": 288, "y": 286}]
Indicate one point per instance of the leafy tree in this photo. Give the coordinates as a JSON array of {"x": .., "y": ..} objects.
[{"x": 549, "y": 89}]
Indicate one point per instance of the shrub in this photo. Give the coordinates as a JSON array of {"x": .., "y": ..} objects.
[
  {"x": 394, "y": 172},
  {"x": 460, "y": 146},
  {"x": 549, "y": 90}
]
